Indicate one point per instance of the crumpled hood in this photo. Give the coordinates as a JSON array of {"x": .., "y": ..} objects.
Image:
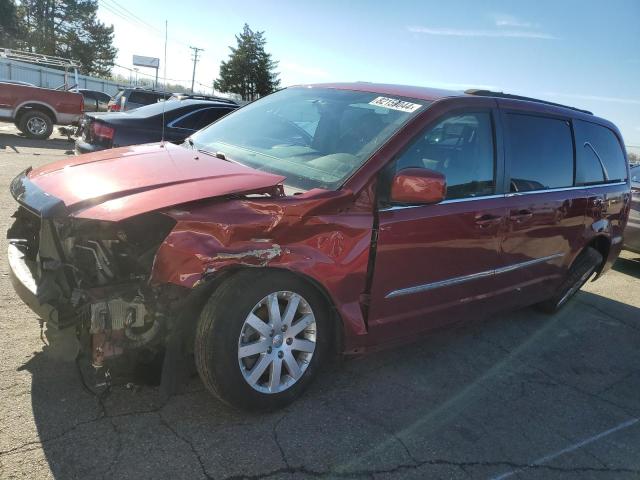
[{"x": 116, "y": 184}]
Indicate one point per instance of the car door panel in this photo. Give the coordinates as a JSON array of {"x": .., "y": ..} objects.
[
  {"x": 543, "y": 232},
  {"x": 545, "y": 222},
  {"x": 433, "y": 264}
]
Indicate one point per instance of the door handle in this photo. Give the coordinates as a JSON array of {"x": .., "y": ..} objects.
[
  {"x": 521, "y": 215},
  {"x": 487, "y": 219}
]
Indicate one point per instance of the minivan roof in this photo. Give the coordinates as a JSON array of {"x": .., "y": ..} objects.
[
  {"x": 433, "y": 94},
  {"x": 422, "y": 93}
]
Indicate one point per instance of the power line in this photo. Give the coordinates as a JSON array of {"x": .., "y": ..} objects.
[
  {"x": 133, "y": 15},
  {"x": 124, "y": 14},
  {"x": 116, "y": 8},
  {"x": 149, "y": 75},
  {"x": 195, "y": 60}
]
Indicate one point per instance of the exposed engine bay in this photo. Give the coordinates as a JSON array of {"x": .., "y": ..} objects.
[{"x": 94, "y": 277}]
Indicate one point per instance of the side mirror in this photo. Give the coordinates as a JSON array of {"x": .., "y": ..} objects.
[{"x": 418, "y": 185}]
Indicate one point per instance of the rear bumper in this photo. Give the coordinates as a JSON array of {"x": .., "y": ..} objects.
[{"x": 24, "y": 283}]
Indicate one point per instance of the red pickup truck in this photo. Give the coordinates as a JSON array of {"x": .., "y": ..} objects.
[{"x": 35, "y": 110}]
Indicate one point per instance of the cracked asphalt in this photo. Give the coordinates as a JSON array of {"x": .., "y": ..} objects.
[{"x": 522, "y": 395}]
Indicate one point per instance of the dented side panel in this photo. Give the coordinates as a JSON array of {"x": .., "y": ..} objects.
[{"x": 324, "y": 236}]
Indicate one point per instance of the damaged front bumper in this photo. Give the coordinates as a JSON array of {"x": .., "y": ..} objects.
[
  {"x": 21, "y": 273},
  {"x": 89, "y": 278}
]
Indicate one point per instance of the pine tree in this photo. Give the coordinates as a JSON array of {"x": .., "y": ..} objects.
[
  {"x": 250, "y": 70},
  {"x": 8, "y": 24},
  {"x": 69, "y": 29}
]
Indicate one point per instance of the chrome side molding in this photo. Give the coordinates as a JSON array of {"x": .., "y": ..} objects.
[
  {"x": 473, "y": 276},
  {"x": 504, "y": 195}
]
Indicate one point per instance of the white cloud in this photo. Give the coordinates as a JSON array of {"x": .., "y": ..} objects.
[
  {"x": 596, "y": 98},
  {"x": 506, "y": 20},
  {"x": 453, "y": 32}
]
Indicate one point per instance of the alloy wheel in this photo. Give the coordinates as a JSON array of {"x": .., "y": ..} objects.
[
  {"x": 36, "y": 126},
  {"x": 277, "y": 342}
]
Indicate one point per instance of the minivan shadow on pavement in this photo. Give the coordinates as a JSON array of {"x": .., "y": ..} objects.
[{"x": 476, "y": 401}]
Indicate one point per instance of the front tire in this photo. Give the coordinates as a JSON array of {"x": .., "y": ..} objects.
[
  {"x": 36, "y": 124},
  {"x": 261, "y": 339},
  {"x": 583, "y": 267}
]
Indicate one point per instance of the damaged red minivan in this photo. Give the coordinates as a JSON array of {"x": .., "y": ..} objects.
[{"x": 318, "y": 220}]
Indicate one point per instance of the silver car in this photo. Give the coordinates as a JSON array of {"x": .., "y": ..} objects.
[{"x": 632, "y": 232}]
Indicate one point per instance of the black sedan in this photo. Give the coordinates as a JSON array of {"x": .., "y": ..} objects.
[{"x": 99, "y": 131}]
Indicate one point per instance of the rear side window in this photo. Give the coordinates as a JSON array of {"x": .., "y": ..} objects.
[
  {"x": 118, "y": 96},
  {"x": 600, "y": 156},
  {"x": 460, "y": 147},
  {"x": 144, "y": 98},
  {"x": 540, "y": 152},
  {"x": 201, "y": 118},
  {"x": 102, "y": 97}
]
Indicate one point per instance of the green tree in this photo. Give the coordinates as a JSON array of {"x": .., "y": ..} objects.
[
  {"x": 250, "y": 71},
  {"x": 69, "y": 29},
  {"x": 8, "y": 24}
]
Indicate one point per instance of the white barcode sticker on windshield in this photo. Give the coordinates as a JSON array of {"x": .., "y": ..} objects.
[{"x": 395, "y": 104}]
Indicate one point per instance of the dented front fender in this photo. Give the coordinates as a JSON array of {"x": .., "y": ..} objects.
[{"x": 324, "y": 236}]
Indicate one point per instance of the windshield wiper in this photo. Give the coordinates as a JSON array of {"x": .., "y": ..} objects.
[{"x": 219, "y": 155}]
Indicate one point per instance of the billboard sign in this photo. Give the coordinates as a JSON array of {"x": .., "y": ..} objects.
[{"x": 150, "y": 62}]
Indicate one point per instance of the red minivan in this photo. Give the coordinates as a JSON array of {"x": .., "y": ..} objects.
[{"x": 320, "y": 219}]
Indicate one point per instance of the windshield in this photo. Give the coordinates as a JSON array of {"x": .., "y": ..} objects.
[{"x": 316, "y": 137}]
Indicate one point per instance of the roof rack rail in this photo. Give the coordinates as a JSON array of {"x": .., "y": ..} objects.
[
  {"x": 199, "y": 96},
  {"x": 489, "y": 93}
]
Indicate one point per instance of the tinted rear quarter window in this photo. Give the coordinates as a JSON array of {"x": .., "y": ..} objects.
[
  {"x": 540, "y": 152},
  {"x": 144, "y": 98},
  {"x": 600, "y": 156},
  {"x": 201, "y": 118}
]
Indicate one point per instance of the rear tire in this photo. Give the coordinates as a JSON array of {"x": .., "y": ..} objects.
[
  {"x": 287, "y": 355},
  {"x": 36, "y": 124},
  {"x": 581, "y": 270}
]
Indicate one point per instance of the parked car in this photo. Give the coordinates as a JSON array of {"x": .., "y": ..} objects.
[
  {"x": 34, "y": 110},
  {"x": 131, "y": 98},
  {"x": 319, "y": 219},
  {"x": 197, "y": 96},
  {"x": 632, "y": 233},
  {"x": 95, "y": 101},
  {"x": 145, "y": 124}
]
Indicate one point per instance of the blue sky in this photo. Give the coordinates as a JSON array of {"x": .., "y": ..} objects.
[{"x": 582, "y": 53}]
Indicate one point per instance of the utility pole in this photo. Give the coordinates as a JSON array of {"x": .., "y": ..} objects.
[{"x": 195, "y": 60}]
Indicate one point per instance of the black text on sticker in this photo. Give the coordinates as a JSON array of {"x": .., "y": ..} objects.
[{"x": 395, "y": 104}]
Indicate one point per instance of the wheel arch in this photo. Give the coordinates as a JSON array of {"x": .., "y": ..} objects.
[
  {"x": 601, "y": 243},
  {"x": 210, "y": 285},
  {"x": 35, "y": 105}
]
